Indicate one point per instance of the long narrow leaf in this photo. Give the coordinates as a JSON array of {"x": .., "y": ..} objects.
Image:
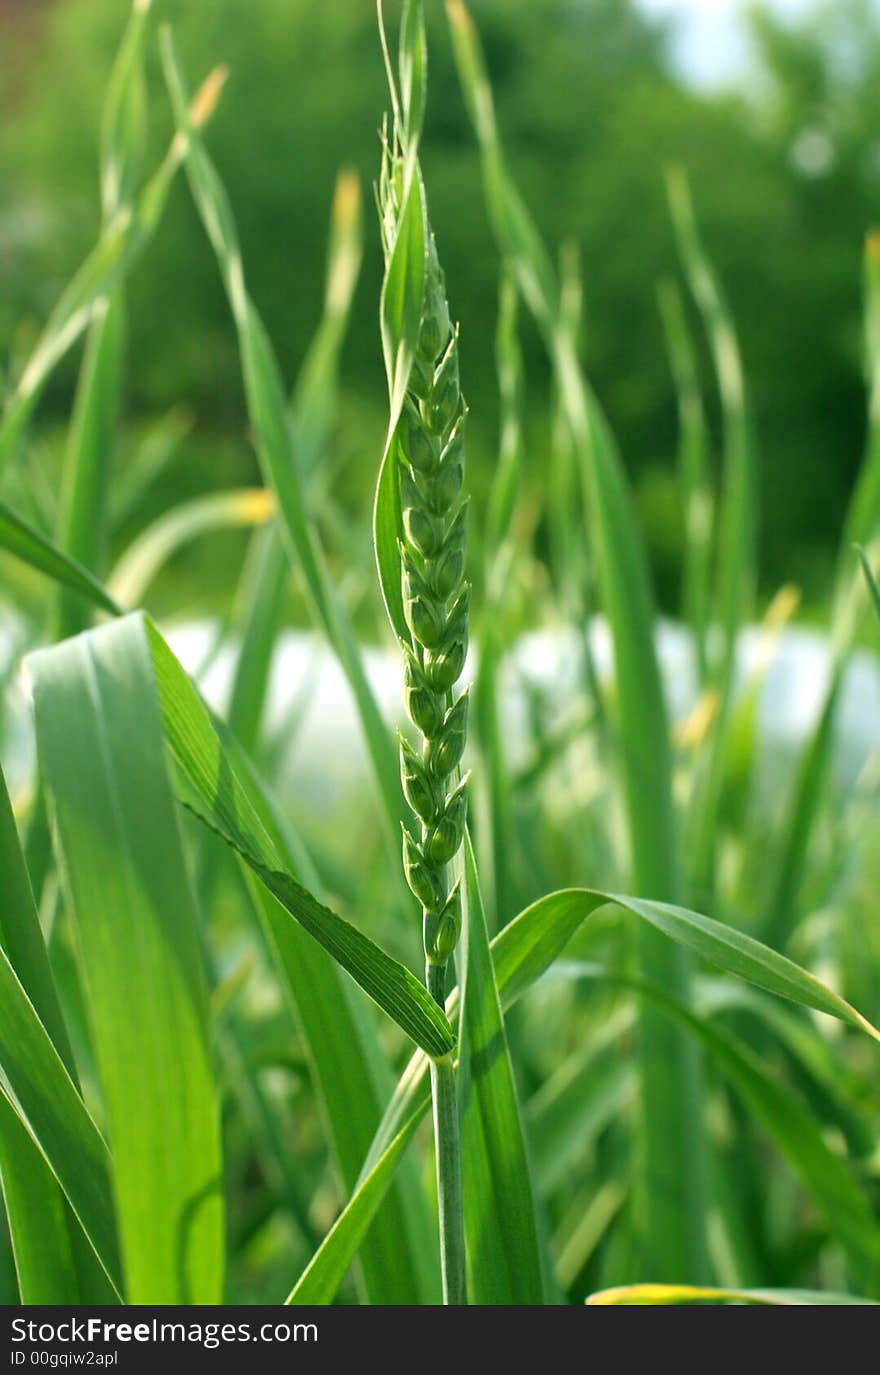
[
  {"x": 26, "y": 543},
  {"x": 99, "y": 737}
]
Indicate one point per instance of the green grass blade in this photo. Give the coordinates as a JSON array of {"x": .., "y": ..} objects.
[
  {"x": 572, "y": 1108},
  {"x": 120, "y": 243},
  {"x": 671, "y": 1131},
  {"x": 274, "y": 439},
  {"x": 401, "y": 311},
  {"x": 871, "y": 580},
  {"x": 26, "y": 543},
  {"x": 667, "y": 1294},
  {"x": 52, "y": 1259},
  {"x": 38, "y": 1087},
  {"x": 99, "y": 737},
  {"x": 326, "y": 1270},
  {"x": 779, "y": 915},
  {"x": 38, "y": 1218},
  {"x": 826, "y": 1175},
  {"x": 262, "y": 597},
  {"x": 693, "y": 470},
  {"x": 208, "y": 784},
  {"x": 145, "y": 557},
  {"x": 504, "y": 1265},
  {"x": 735, "y": 537},
  {"x": 91, "y": 434},
  {"x": 89, "y": 446},
  {"x": 530, "y": 944},
  {"x": 151, "y": 455},
  {"x": 863, "y": 512},
  {"x": 314, "y": 400}
]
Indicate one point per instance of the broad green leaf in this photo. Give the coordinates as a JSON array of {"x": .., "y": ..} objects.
[
  {"x": 665, "y": 1294},
  {"x": 208, "y": 784},
  {"x": 670, "y": 1149},
  {"x": 38, "y": 1087},
  {"x": 504, "y": 1265},
  {"x": 26, "y": 543},
  {"x": 274, "y": 439},
  {"x": 326, "y": 1270},
  {"x": 147, "y": 555},
  {"x": 99, "y": 735},
  {"x": 52, "y": 1259}
]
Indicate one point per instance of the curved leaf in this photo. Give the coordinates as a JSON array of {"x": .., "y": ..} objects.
[{"x": 665, "y": 1294}]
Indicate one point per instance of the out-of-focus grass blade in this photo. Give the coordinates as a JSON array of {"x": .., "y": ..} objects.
[
  {"x": 119, "y": 244},
  {"x": 693, "y": 470},
  {"x": 504, "y": 1265},
  {"x": 91, "y": 434},
  {"x": 779, "y": 915},
  {"x": 154, "y": 450},
  {"x": 863, "y": 515},
  {"x": 670, "y": 1144},
  {"x": 100, "y": 745},
  {"x": 208, "y": 784},
  {"x": 154, "y": 546},
  {"x": 326, "y": 1270},
  {"x": 26, "y": 543},
  {"x": 40, "y": 1090},
  {"x": 405, "y": 243},
  {"x": 89, "y": 447},
  {"x": 871, "y": 580},
  {"x": 736, "y": 527},
  {"x": 274, "y": 438},
  {"x": 52, "y": 1260},
  {"x": 665, "y": 1294},
  {"x": 352, "y": 1079},
  {"x": 261, "y": 599},
  {"x": 568, "y": 1112}
]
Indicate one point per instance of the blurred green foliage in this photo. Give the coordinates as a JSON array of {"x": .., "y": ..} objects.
[{"x": 786, "y": 183}]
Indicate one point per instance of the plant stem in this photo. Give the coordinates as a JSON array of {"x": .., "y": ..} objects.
[{"x": 448, "y": 1152}]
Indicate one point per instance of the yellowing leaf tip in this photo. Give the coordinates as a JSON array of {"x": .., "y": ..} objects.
[{"x": 205, "y": 100}]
